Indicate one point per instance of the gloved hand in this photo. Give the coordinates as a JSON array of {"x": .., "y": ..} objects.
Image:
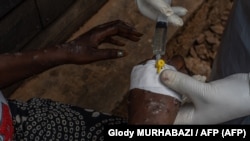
[
  {"x": 213, "y": 103},
  {"x": 154, "y": 8}
]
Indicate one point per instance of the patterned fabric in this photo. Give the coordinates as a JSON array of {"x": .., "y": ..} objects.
[{"x": 43, "y": 119}]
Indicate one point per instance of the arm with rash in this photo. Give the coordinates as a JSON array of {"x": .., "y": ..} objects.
[{"x": 82, "y": 50}]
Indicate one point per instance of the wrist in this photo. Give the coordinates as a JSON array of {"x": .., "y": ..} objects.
[{"x": 63, "y": 53}]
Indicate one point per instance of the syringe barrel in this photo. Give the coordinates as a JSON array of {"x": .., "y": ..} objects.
[{"x": 160, "y": 38}]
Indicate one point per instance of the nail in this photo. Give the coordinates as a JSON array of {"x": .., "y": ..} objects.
[{"x": 120, "y": 54}]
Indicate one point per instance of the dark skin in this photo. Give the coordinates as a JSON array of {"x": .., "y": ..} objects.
[{"x": 82, "y": 50}]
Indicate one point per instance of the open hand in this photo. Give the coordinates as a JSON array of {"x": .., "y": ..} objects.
[{"x": 84, "y": 49}]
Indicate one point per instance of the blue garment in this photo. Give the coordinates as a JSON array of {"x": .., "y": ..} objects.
[{"x": 234, "y": 53}]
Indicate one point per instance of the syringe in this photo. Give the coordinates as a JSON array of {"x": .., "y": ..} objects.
[{"x": 159, "y": 41}]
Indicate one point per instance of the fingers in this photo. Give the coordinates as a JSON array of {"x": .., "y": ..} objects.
[
  {"x": 121, "y": 29},
  {"x": 180, "y": 11},
  {"x": 175, "y": 20},
  {"x": 115, "y": 28},
  {"x": 103, "y": 54},
  {"x": 172, "y": 13},
  {"x": 162, "y": 6},
  {"x": 153, "y": 8},
  {"x": 104, "y": 33},
  {"x": 184, "y": 84},
  {"x": 128, "y": 33},
  {"x": 146, "y": 9},
  {"x": 185, "y": 115},
  {"x": 113, "y": 41}
]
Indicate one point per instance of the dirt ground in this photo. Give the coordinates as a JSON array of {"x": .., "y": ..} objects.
[{"x": 104, "y": 85}]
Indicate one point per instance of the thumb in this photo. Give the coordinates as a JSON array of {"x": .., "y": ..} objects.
[{"x": 184, "y": 84}]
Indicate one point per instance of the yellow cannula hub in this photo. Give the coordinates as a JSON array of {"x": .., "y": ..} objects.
[{"x": 159, "y": 65}]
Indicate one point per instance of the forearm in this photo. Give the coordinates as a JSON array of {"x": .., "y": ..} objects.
[
  {"x": 146, "y": 107},
  {"x": 18, "y": 66},
  {"x": 82, "y": 50}
]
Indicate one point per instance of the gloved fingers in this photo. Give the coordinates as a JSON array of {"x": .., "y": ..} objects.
[
  {"x": 152, "y": 9},
  {"x": 186, "y": 85},
  {"x": 161, "y": 5},
  {"x": 175, "y": 20},
  {"x": 185, "y": 114},
  {"x": 200, "y": 78},
  {"x": 147, "y": 10},
  {"x": 167, "y": 1},
  {"x": 180, "y": 11}
]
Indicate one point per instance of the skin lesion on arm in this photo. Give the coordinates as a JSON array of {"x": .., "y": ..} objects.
[{"x": 17, "y": 66}]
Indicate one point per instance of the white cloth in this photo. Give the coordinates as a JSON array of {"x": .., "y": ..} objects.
[{"x": 146, "y": 77}]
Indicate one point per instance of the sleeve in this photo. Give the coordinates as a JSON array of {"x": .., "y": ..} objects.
[{"x": 234, "y": 53}]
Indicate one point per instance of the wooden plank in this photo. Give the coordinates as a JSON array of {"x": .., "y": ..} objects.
[
  {"x": 51, "y": 9},
  {"x": 60, "y": 30},
  {"x": 7, "y": 5},
  {"x": 19, "y": 27}
]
